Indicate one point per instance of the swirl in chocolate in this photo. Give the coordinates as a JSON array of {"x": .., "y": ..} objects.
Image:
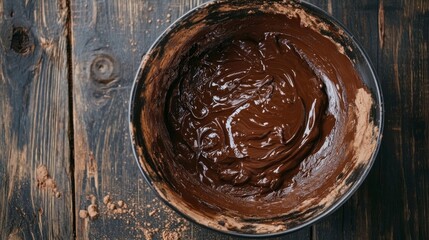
[{"x": 247, "y": 112}]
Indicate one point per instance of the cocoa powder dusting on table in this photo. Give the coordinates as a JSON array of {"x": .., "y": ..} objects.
[
  {"x": 45, "y": 181},
  {"x": 149, "y": 221}
]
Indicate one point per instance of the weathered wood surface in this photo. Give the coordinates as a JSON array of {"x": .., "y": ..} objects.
[
  {"x": 34, "y": 120},
  {"x": 107, "y": 42}
]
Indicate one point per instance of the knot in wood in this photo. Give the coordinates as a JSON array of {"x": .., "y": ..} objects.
[
  {"x": 104, "y": 69},
  {"x": 22, "y": 41}
]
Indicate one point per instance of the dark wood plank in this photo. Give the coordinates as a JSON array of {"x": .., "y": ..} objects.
[
  {"x": 393, "y": 201},
  {"x": 404, "y": 165},
  {"x": 117, "y": 34},
  {"x": 34, "y": 120}
]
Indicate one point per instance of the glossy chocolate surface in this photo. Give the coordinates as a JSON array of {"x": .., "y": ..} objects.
[{"x": 246, "y": 112}]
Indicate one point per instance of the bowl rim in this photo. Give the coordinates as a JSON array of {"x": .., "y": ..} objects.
[{"x": 376, "y": 92}]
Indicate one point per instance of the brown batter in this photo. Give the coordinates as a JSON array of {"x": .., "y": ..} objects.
[
  {"x": 246, "y": 112},
  {"x": 243, "y": 114},
  {"x": 259, "y": 121}
]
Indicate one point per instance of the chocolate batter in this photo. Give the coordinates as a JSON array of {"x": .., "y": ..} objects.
[
  {"x": 246, "y": 112},
  {"x": 264, "y": 120}
]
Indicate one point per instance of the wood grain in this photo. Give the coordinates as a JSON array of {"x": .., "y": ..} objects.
[
  {"x": 34, "y": 120},
  {"x": 404, "y": 164},
  {"x": 107, "y": 43},
  {"x": 118, "y": 33}
]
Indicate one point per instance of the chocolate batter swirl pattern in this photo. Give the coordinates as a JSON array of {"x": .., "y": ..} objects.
[{"x": 247, "y": 112}]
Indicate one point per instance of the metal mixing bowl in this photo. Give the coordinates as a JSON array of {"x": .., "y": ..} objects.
[{"x": 213, "y": 12}]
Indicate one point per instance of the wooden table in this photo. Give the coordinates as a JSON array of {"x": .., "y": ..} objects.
[{"x": 66, "y": 69}]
